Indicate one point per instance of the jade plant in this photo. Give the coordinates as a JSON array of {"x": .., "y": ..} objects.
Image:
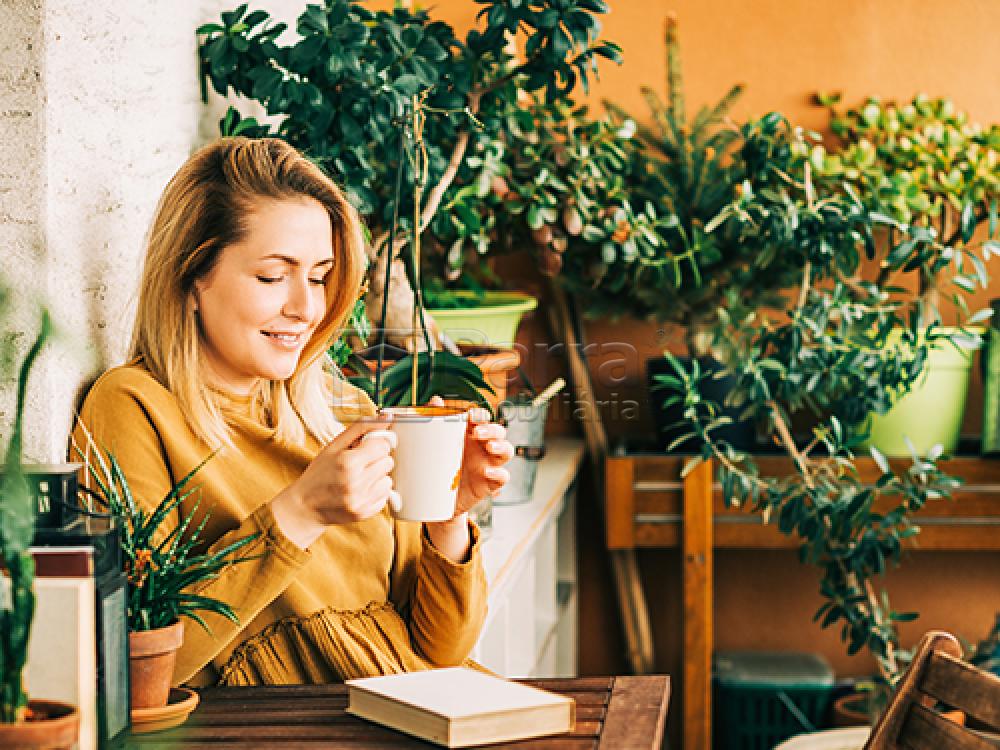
[
  {"x": 926, "y": 166},
  {"x": 822, "y": 350},
  {"x": 570, "y": 199},
  {"x": 17, "y": 528},
  {"x": 343, "y": 87}
]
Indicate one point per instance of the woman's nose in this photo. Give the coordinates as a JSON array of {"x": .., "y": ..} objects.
[{"x": 301, "y": 301}]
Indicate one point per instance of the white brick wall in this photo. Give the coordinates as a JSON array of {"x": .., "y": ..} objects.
[{"x": 99, "y": 105}]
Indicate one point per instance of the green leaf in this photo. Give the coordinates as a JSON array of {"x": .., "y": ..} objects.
[
  {"x": 408, "y": 85},
  {"x": 968, "y": 221},
  {"x": 879, "y": 459},
  {"x": 230, "y": 18},
  {"x": 350, "y": 128}
]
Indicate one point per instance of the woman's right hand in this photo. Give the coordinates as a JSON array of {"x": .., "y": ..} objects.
[{"x": 347, "y": 481}]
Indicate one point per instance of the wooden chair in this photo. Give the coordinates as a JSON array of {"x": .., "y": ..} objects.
[{"x": 938, "y": 674}]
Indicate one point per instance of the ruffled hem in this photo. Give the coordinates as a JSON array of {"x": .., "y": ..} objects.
[{"x": 329, "y": 645}]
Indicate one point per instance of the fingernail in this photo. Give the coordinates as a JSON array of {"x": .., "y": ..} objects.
[
  {"x": 496, "y": 474},
  {"x": 482, "y": 432}
]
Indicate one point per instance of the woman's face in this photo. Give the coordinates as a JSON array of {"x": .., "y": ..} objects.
[{"x": 261, "y": 302}]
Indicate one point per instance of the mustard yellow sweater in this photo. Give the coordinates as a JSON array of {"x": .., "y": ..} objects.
[{"x": 367, "y": 598}]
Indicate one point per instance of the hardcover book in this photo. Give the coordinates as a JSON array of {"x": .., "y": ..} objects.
[{"x": 459, "y": 707}]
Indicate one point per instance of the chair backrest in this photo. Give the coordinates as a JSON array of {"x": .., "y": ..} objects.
[{"x": 938, "y": 675}]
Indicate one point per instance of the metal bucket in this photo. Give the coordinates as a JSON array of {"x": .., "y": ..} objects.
[{"x": 526, "y": 431}]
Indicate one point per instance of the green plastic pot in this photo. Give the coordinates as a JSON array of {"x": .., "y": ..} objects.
[
  {"x": 932, "y": 412},
  {"x": 491, "y": 320}
]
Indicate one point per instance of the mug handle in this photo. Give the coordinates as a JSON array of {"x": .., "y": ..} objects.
[{"x": 395, "y": 499}]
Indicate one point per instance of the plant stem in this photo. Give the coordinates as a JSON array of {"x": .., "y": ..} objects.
[
  {"x": 451, "y": 171},
  {"x": 804, "y": 290},
  {"x": 871, "y": 601},
  {"x": 890, "y": 655},
  {"x": 390, "y": 248},
  {"x": 786, "y": 438},
  {"x": 418, "y": 169}
]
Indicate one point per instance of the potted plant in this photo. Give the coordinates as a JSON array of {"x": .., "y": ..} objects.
[
  {"x": 23, "y": 723},
  {"x": 625, "y": 219},
  {"x": 162, "y": 566},
  {"x": 342, "y": 89},
  {"x": 923, "y": 164},
  {"x": 826, "y": 349}
]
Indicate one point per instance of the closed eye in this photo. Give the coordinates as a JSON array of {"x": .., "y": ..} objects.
[
  {"x": 319, "y": 282},
  {"x": 269, "y": 279}
]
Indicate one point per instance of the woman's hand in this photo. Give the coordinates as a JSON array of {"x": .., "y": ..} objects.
[
  {"x": 347, "y": 481},
  {"x": 486, "y": 451}
]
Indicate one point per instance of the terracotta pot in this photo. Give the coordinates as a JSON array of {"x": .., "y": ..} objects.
[
  {"x": 152, "y": 655},
  {"x": 850, "y": 711},
  {"x": 50, "y": 726},
  {"x": 496, "y": 365}
]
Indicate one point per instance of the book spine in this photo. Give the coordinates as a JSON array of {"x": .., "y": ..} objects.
[{"x": 63, "y": 562}]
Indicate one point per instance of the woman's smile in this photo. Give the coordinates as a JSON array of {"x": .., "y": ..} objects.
[{"x": 290, "y": 341}]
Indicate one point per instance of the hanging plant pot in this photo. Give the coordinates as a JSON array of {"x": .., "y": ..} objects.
[
  {"x": 932, "y": 412},
  {"x": 50, "y": 725},
  {"x": 152, "y": 655},
  {"x": 495, "y": 363},
  {"x": 491, "y": 318}
]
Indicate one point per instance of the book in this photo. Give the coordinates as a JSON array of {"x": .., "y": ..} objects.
[
  {"x": 460, "y": 707},
  {"x": 62, "y": 650}
]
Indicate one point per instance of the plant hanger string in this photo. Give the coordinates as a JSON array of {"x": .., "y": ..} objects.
[
  {"x": 390, "y": 248},
  {"x": 413, "y": 126},
  {"x": 419, "y": 178}
]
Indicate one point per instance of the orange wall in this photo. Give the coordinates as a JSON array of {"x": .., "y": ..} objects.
[{"x": 783, "y": 50}]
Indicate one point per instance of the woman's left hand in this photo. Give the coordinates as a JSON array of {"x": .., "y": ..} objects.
[{"x": 486, "y": 451}]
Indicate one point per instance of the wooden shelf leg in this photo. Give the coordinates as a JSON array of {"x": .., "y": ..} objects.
[
  {"x": 698, "y": 626},
  {"x": 632, "y": 606}
]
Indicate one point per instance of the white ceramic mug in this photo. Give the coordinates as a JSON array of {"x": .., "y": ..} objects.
[{"x": 427, "y": 444}]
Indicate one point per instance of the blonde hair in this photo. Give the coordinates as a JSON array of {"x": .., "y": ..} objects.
[{"x": 202, "y": 211}]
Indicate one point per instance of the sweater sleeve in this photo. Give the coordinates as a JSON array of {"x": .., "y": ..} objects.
[
  {"x": 128, "y": 416},
  {"x": 443, "y": 602}
]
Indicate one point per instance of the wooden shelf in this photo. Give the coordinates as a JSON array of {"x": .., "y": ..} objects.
[{"x": 646, "y": 505}]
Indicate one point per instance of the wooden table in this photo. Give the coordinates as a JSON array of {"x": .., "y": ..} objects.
[{"x": 619, "y": 713}]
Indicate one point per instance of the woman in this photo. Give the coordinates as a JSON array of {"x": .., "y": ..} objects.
[{"x": 253, "y": 264}]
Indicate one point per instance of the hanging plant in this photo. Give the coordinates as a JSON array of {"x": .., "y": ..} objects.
[{"x": 413, "y": 380}]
